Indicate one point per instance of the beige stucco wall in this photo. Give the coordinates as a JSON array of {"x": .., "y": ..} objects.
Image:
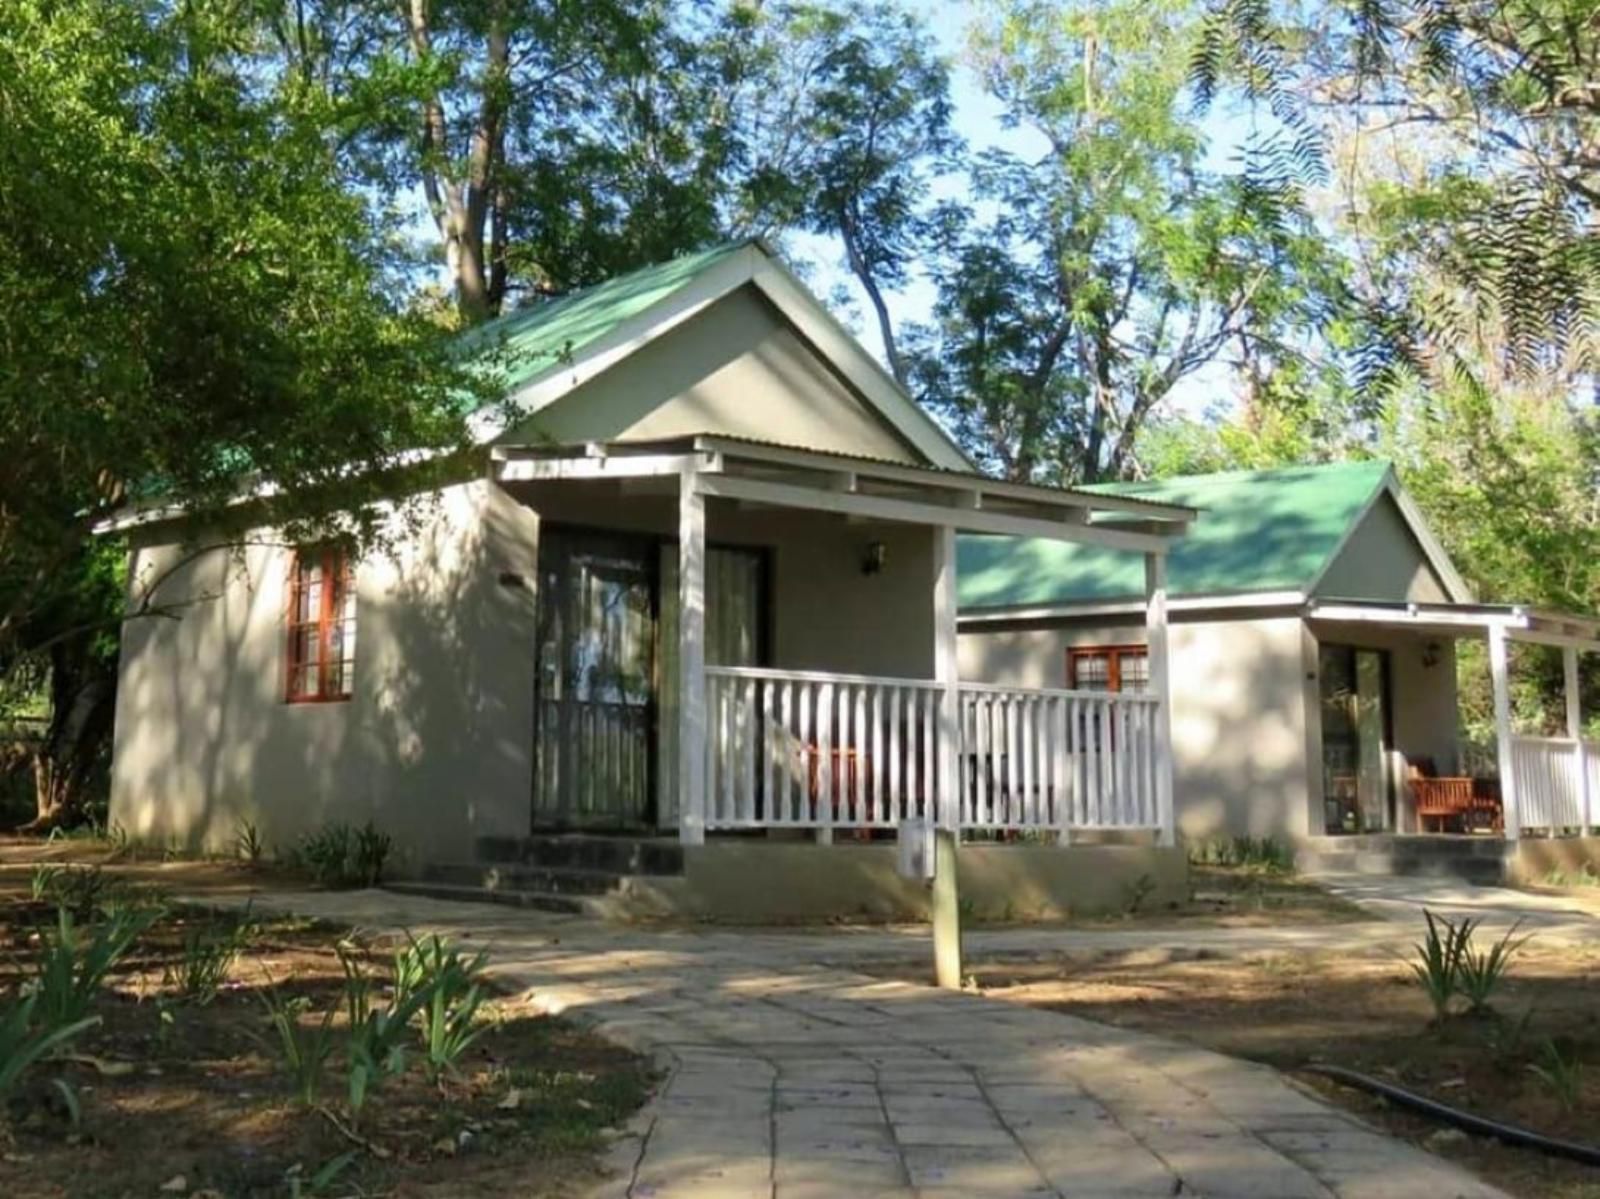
[
  {"x": 1238, "y": 711},
  {"x": 1382, "y": 561},
  {"x": 737, "y": 368},
  {"x": 434, "y": 744}
]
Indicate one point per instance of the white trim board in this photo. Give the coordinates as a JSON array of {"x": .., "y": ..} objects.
[{"x": 1252, "y": 600}]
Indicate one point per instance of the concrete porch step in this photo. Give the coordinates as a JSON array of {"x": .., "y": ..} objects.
[
  {"x": 620, "y": 855},
  {"x": 544, "y": 880},
  {"x": 1481, "y": 860},
  {"x": 569, "y": 905}
]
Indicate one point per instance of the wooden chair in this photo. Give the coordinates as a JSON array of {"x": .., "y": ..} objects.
[{"x": 1466, "y": 802}]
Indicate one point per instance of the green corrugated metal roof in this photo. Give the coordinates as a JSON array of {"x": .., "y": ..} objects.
[
  {"x": 1258, "y": 530},
  {"x": 528, "y": 342}
]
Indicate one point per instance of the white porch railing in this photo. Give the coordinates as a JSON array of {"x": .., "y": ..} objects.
[
  {"x": 1549, "y": 787},
  {"x": 1058, "y": 760},
  {"x": 790, "y": 749}
]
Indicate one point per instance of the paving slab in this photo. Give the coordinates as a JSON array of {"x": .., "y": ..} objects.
[{"x": 786, "y": 1075}]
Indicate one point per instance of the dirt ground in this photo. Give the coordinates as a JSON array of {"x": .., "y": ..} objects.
[
  {"x": 1295, "y": 1010},
  {"x": 1224, "y": 897},
  {"x": 189, "y": 1097}
]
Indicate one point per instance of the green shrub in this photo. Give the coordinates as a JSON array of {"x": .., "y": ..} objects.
[
  {"x": 371, "y": 854},
  {"x": 1438, "y": 964},
  {"x": 303, "y": 1051},
  {"x": 1479, "y": 973},
  {"x": 1561, "y": 1073},
  {"x": 25, "y": 1040},
  {"x": 247, "y": 843},
  {"x": 73, "y": 963},
  {"x": 447, "y": 982},
  {"x": 208, "y": 955},
  {"x": 1266, "y": 854},
  {"x": 82, "y": 890},
  {"x": 1447, "y": 964},
  {"x": 337, "y": 855}
]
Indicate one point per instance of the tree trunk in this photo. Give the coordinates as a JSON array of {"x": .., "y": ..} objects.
[
  {"x": 863, "y": 273},
  {"x": 82, "y": 703}
]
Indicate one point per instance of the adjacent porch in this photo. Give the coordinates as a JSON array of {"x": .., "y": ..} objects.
[
  {"x": 1401, "y": 729},
  {"x": 749, "y": 640}
]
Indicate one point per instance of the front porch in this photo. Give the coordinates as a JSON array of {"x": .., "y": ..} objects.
[
  {"x": 733, "y": 711},
  {"x": 1533, "y": 786}
]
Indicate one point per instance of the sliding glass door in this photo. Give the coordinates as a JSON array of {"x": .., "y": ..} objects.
[{"x": 1356, "y": 787}]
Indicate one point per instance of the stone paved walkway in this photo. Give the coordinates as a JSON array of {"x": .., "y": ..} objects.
[{"x": 789, "y": 1079}]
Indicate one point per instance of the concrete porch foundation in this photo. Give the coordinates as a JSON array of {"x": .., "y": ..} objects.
[{"x": 766, "y": 882}]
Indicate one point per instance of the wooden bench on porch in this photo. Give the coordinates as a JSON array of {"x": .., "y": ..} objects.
[{"x": 1471, "y": 803}]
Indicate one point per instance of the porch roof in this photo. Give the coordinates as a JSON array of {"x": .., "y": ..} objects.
[
  {"x": 757, "y": 472},
  {"x": 1455, "y": 620}
]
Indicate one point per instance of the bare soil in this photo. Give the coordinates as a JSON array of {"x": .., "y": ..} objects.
[
  {"x": 1235, "y": 897},
  {"x": 1296, "y": 1010},
  {"x": 188, "y": 1097}
]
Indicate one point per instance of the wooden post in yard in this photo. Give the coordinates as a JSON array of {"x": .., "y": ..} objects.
[{"x": 946, "y": 904}]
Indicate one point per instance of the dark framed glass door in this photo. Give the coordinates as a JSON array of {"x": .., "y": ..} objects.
[
  {"x": 1357, "y": 791},
  {"x": 595, "y": 702}
]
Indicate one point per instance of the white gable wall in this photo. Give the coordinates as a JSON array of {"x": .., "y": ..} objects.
[
  {"x": 738, "y": 368},
  {"x": 1382, "y": 561}
]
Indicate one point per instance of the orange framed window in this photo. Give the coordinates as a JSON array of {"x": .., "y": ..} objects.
[
  {"x": 1108, "y": 668},
  {"x": 321, "y": 648}
]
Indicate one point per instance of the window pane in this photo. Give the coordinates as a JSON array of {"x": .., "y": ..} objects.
[
  {"x": 1091, "y": 672},
  {"x": 315, "y": 635},
  {"x": 1135, "y": 666}
]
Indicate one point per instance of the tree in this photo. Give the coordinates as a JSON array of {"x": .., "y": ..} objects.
[
  {"x": 1503, "y": 94},
  {"x": 1083, "y": 286},
  {"x": 850, "y": 122},
  {"x": 192, "y": 304}
]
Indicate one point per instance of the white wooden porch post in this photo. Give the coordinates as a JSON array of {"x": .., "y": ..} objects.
[
  {"x": 947, "y": 673},
  {"x": 1580, "y": 755},
  {"x": 691, "y": 660},
  {"x": 1498, "y": 668},
  {"x": 1155, "y": 621}
]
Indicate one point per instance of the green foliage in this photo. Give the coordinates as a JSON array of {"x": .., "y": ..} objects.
[
  {"x": 1479, "y": 972},
  {"x": 1438, "y": 964},
  {"x": 193, "y": 300},
  {"x": 1448, "y": 964},
  {"x": 1092, "y": 278},
  {"x": 436, "y": 970},
  {"x": 1560, "y": 1072},
  {"x": 27, "y": 1037},
  {"x": 375, "y": 1049},
  {"x": 303, "y": 1186},
  {"x": 338, "y": 855},
  {"x": 73, "y": 962},
  {"x": 247, "y": 843},
  {"x": 1266, "y": 854},
  {"x": 302, "y": 1049},
  {"x": 1494, "y": 99},
  {"x": 209, "y": 952}
]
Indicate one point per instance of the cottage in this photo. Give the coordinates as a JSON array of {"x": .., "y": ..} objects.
[
  {"x": 684, "y": 639},
  {"x": 1314, "y": 624}
]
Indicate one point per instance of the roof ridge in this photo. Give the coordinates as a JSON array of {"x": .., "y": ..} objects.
[{"x": 1240, "y": 473}]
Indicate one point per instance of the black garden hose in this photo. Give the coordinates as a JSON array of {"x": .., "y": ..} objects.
[{"x": 1510, "y": 1134}]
